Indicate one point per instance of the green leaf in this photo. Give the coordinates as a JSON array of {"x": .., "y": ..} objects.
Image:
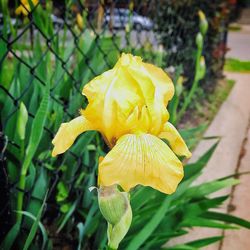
[
  {"x": 82, "y": 142},
  {"x": 89, "y": 218},
  {"x": 182, "y": 247},
  {"x": 34, "y": 227},
  {"x": 202, "y": 222},
  {"x": 37, "y": 128},
  {"x": 197, "y": 244},
  {"x": 199, "y": 207},
  {"x": 140, "y": 238},
  {"x": 31, "y": 177},
  {"x": 205, "y": 241},
  {"x": 34, "y": 140},
  {"x": 227, "y": 218},
  {"x": 63, "y": 192},
  {"x": 38, "y": 193},
  {"x": 194, "y": 168},
  {"x": 41, "y": 226},
  {"x": 210, "y": 187},
  {"x": 80, "y": 228},
  {"x": 10, "y": 237},
  {"x": 67, "y": 216},
  {"x": 138, "y": 197}
]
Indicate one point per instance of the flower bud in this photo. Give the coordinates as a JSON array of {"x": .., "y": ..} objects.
[
  {"x": 79, "y": 21},
  {"x": 199, "y": 40},
  {"x": 127, "y": 27},
  {"x": 203, "y": 22},
  {"x": 202, "y": 68},
  {"x": 179, "y": 86},
  {"x": 22, "y": 119},
  {"x": 131, "y": 5},
  {"x": 115, "y": 208}
]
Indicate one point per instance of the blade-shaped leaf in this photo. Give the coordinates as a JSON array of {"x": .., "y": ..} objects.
[
  {"x": 227, "y": 218},
  {"x": 34, "y": 227},
  {"x": 210, "y": 187},
  {"x": 197, "y": 244},
  {"x": 202, "y": 222},
  {"x": 194, "y": 168}
]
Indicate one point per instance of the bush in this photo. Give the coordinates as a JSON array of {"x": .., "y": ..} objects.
[{"x": 177, "y": 24}]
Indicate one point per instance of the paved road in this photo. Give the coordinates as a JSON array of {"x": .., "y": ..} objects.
[{"x": 239, "y": 44}]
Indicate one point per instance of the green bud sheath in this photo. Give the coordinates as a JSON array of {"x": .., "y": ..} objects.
[
  {"x": 115, "y": 208},
  {"x": 202, "y": 68},
  {"x": 203, "y": 27},
  {"x": 203, "y": 22},
  {"x": 199, "y": 40},
  {"x": 22, "y": 119}
]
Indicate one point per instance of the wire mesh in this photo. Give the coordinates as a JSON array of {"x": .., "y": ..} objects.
[{"x": 80, "y": 40}]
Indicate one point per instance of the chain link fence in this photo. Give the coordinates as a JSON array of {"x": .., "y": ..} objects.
[{"x": 65, "y": 44}]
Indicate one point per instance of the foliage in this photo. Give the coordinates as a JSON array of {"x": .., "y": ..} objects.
[
  {"x": 51, "y": 206},
  {"x": 180, "y": 44}
]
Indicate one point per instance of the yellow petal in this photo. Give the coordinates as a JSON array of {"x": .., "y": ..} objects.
[
  {"x": 161, "y": 80},
  {"x": 22, "y": 10},
  {"x": 156, "y": 86},
  {"x": 130, "y": 97},
  {"x": 79, "y": 21},
  {"x": 175, "y": 140},
  {"x": 68, "y": 132},
  {"x": 141, "y": 159},
  {"x": 112, "y": 98}
]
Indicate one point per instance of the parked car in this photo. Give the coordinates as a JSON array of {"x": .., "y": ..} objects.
[{"x": 120, "y": 18}]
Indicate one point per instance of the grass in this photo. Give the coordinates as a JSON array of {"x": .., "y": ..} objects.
[
  {"x": 234, "y": 27},
  {"x": 235, "y": 65}
]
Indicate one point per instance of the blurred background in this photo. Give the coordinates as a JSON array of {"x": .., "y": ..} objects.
[{"x": 50, "y": 49}]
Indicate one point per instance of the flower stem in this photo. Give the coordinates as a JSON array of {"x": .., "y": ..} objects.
[
  {"x": 21, "y": 187},
  {"x": 110, "y": 248}
]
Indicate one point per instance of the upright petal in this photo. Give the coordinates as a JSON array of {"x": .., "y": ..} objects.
[
  {"x": 175, "y": 140},
  {"x": 156, "y": 86},
  {"x": 161, "y": 80},
  {"x": 141, "y": 159},
  {"x": 68, "y": 132},
  {"x": 112, "y": 98}
]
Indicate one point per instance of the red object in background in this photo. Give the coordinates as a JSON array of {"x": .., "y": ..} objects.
[
  {"x": 220, "y": 51},
  {"x": 232, "y": 2}
]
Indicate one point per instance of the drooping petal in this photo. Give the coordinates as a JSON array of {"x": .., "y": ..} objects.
[
  {"x": 175, "y": 140},
  {"x": 141, "y": 159},
  {"x": 68, "y": 132}
]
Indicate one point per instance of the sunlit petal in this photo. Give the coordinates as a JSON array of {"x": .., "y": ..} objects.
[
  {"x": 141, "y": 159},
  {"x": 175, "y": 140},
  {"x": 68, "y": 132}
]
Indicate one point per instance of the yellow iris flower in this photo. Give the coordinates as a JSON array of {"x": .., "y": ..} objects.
[
  {"x": 25, "y": 7},
  {"x": 127, "y": 105}
]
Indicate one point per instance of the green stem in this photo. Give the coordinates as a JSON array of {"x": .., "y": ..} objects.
[
  {"x": 20, "y": 195},
  {"x": 110, "y": 248},
  {"x": 22, "y": 144},
  {"x": 21, "y": 187},
  {"x": 21, "y": 184},
  {"x": 194, "y": 86}
]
